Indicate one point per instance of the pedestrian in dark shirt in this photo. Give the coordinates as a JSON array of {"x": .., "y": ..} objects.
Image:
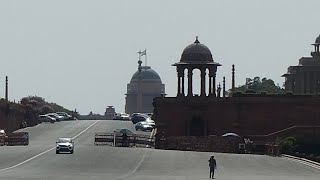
[
  {"x": 212, "y": 166},
  {"x": 124, "y": 140}
]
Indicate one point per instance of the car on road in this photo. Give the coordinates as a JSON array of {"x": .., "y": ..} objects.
[
  {"x": 143, "y": 126},
  {"x": 64, "y": 145},
  {"x": 47, "y": 118}
]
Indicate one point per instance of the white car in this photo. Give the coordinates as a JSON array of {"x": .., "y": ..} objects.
[
  {"x": 64, "y": 145},
  {"x": 150, "y": 122},
  {"x": 56, "y": 116},
  {"x": 65, "y": 115},
  {"x": 46, "y": 118}
]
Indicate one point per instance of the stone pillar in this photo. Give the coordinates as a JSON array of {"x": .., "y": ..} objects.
[
  {"x": 210, "y": 85},
  {"x": 307, "y": 83},
  {"x": 179, "y": 82},
  {"x": 214, "y": 83},
  {"x": 203, "y": 81},
  {"x": 224, "y": 87},
  {"x": 6, "y": 93},
  {"x": 190, "y": 93},
  {"x": 211, "y": 74},
  {"x": 233, "y": 79},
  {"x": 183, "y": 82}
]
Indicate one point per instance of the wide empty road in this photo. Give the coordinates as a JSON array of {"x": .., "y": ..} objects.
[{"x": 39, "y": 161}]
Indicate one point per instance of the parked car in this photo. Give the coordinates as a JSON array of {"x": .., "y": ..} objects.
[
  {"x": 65, "y": 115},
  {"x": 56, "y": 116},
  {"x": 143, "y": 126},
  {"x": 2, "y": 137},
  {"x": 150, "y": 122},
  {"x": 137, "y": 117},
  {"x": 64, "y": 145},
  {"x": 121, "y": 116},
  {"x": 47, "y": 118}
]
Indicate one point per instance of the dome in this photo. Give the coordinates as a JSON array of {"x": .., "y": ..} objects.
[
  {"x": 318, "y": 40},
  {"x": 196, "y": 53},
  {"x": 147, "y": 75}
]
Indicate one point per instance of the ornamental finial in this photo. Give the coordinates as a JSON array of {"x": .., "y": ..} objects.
[{"x": 197, "y": 41}]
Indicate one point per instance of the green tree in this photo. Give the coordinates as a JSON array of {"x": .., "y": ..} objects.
[
  {"x": 287, "y": 144},
  {"x": 46, "y": 109},
  {"x": 260, "y": 85}
]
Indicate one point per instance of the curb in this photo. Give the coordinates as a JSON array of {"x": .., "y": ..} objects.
[{"x": 301, "y": 159}]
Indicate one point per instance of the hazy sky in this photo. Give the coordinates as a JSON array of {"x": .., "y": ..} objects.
[{"x": 82, "y": 53}]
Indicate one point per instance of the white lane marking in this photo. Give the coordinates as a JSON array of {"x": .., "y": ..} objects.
[
  {"x": 85, "y": 130},
  {"x": 140, "y": 162},
  {"x": 303, "y": 162},
  {"x": 23, "y": 162},
  {"x": 135, "y": 169}
]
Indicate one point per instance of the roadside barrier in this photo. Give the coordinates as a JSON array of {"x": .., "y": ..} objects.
[
  {"x": 119, "y": 139},
  {"x": 16, "y": 139}
]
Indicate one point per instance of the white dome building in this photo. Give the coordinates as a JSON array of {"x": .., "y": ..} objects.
[{"x": 145, "y": 85}]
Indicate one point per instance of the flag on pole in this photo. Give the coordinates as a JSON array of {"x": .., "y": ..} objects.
[{"x": 143, "y": 53}]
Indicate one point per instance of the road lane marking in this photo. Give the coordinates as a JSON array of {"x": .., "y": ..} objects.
[
  {"x": 136, "y": 168},
  {"x": 85, "y": 130},
  {"x": 303, "y": 162},
  {"x": 140, "y": 162},
  {"x": 25, "y": 161}
]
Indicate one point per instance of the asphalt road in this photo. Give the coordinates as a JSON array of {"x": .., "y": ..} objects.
[{"x": 39, "y": 161}]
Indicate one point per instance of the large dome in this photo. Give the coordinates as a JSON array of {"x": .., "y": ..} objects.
[
  {"x": 196, "y": 53},
  {"x": 147, "y": 75}
]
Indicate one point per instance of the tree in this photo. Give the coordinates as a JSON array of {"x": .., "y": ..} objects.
[
  {"x": 287, "y": 144},
  {"x": 260, "y": 85},
  {"x": 46, "y": 109}
]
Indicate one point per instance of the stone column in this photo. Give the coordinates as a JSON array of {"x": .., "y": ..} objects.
[
  {"x": 233, "y": 79},
  {"x": 210, "y": 85},
  {"x": 179, "y": 82},
  {"x": 183, "y": 82},
  {"x": 214, "y": 70},
  {"x": 6, "y": 93},
  {"x": 224, "y": 87},
  {"x": 307, "y": 78},
  {"x": 203, "y": 81},
  {"x": 190, "y": 81}
]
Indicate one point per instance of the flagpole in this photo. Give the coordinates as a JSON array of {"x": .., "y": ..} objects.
[{"x": 145, "y": 50}]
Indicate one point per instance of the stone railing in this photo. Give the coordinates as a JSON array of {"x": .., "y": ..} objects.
[{"x": 193, "y": 143}]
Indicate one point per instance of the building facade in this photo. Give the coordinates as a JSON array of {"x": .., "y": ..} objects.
[
  {"x": 110, "y": 111},
  {"x": 305, "y": 77},
  {"x": 212, "y": 115},
  {"x": 144, "y": 85}
]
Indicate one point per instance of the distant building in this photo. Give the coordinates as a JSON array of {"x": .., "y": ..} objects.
[
  {"x": 110, "y": 111},
  {"x": 305, "y": 77},
  {"x": 145, "y": 85}
]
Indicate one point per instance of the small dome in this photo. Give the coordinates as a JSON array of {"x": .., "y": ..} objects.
[
  {"x": 196, "y": 53},
  {"x": 147, "y": 75},
  {"x": 318, "y": 40}
]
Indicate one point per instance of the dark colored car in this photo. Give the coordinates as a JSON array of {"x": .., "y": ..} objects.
[
  {"x": 143, "y": 126},
  {"x": 138, "y": 117}
]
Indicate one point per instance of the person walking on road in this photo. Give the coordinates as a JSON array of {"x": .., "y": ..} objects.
[{"x": 212, "y": 166}]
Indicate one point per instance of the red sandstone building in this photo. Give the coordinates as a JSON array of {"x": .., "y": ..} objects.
[
  {"x": 304, "y": 78},
  {"x": 245, "y": 114}
]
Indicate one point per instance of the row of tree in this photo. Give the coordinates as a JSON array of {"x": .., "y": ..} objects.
[
  {"x": 258, "y": 85},
  {"x": 42, "y": 107}
]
